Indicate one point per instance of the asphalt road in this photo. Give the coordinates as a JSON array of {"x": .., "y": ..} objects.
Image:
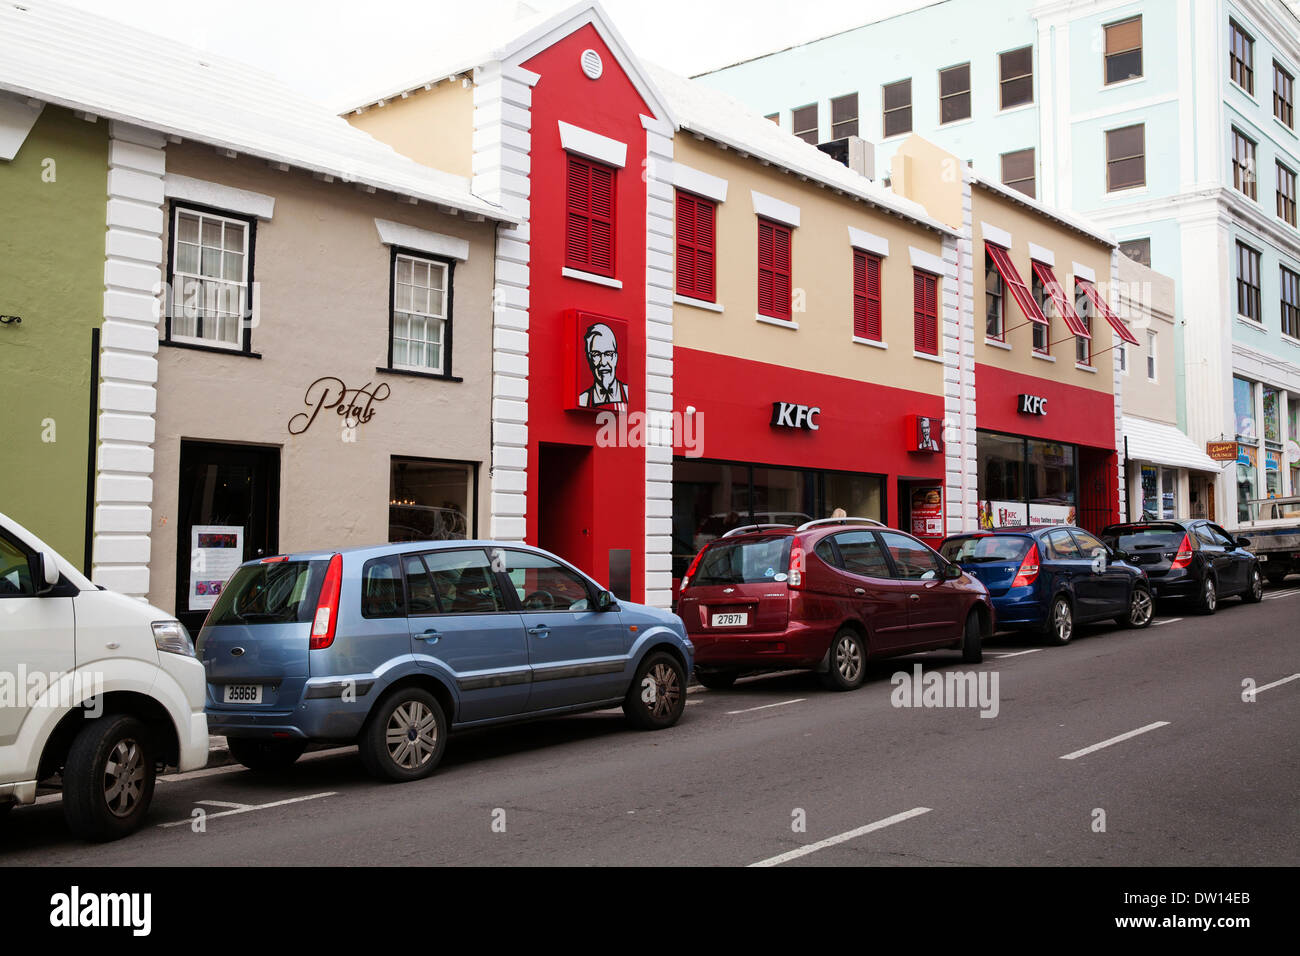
[{"x": 1211, "y": 779}]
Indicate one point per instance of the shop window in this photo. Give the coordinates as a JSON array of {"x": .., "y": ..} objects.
[
  {"x": 896, "y": 99},
  {"x": 1126, "y": 162},
  {"x": 1123, "y": 50},
  {"x": 844, "y": 116},
  {"x": 1050, "y": 485},
  {"x": 420, "y": 325},
  {"x": 210, "y": 275},
  {"x": 925, "y": 307},
  {"x": 1286, "y": 195},
  {"x": 1283, "y": 95},
  {"x": 1293, "y": 436},
  {"x": 1290, "y": 284},
  {"x": 1248, "y": 289},
  {"x": 1243, "y": 165},
  {"x": 1017, "y": 77},
  {"x": 430, "y": 500},
  {"x": 1001, "y": 467},
  {"x": 1139, "y": 250},
  {"x": 994, "y": 296},
  {"x": 803, "y": 122},
  {"x": 774, "y": 269},
  {"x": 866, "y": 296},
  {"x": 1018, "y": 171},
  {"x": 1243, "y": 406},
  {"x": 696, "y": 247},
  {"x": 589, "y": 228},
  {"x": 1241, "y": 57},
  {"x": 954, "y": 93},
  {"x": 1159, "y": 493},
  {"x": 1273, "y": 452}
]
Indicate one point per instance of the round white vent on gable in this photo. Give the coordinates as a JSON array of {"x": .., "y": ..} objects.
[{"x": 592, "y": 65}]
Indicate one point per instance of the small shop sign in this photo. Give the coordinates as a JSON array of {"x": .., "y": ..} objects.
[{"x": 1221, "y": 450}]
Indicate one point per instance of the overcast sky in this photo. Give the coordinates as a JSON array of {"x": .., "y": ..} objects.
[{"x": 333, "y": 50}]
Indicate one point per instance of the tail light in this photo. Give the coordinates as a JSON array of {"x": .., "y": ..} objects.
[
  {"x": 797, "y": 568},
  {"x": 690, "y": 572},
  {"x": 1184, "y": 556},
  {"x": 1028, "y": 572},
  {"x": 327, "y": 608}
]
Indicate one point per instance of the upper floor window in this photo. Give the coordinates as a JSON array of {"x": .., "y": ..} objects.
[
  {"x": 1151, "y": 356},
  {"x": 589, "y": 229},
  {"x": 1083, "y": 308},
  {"x": 1290, "y": 282},
  {"x": 1126, "y": 161},
  {"x": 421, "y": 323},
  {"x": 1139, "y": 250},
  {"x": 954, "y": 93},
  {"x": 210, "y": 276},
  {"x": 897, "y": 101},
  {"x": 1286, "y": 194},
  {"x": 925, "y": 312},
  {"x": 1243, "y": 164},
  {"x": 1248, "y": 296},
  {"x": 1042, "y": 331},
  {"x": 1283, "y": 95},
  {"x": 1017, "y": 71},
  {"x": 774, "y": 269},
  {"x": 866, "y": 296},
  {"x": 696, "y": 247},
  {"x": 844, "y": 116},
  {"x": 1124, "y": 50},
  {"x": 1241, "y": 57},
  {"x": 803, "y": 123},
  {"x": 1018, "y": 171},
  {"x": 994, "y": 300}
]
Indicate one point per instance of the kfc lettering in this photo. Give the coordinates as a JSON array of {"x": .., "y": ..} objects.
[{"x": 790, "y": 415}]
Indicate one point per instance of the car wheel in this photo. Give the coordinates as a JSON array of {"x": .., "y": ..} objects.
[
  {"x": 265, "y": 756},
  {"x": 404, "y": 736},
  {"x": 716, "y": 680},
  {"x": 1208, "y": 602},
  {"x": 657, "y": 696},
  {"x": 1141, "y": 609},
  {"x": 848, "y": 661},
  {"x": 972, "y": 645},
  {"x": 1060, "y": 621},
  {"x": 108, "y": 778},
  {"x": 1254, "y": 592}
]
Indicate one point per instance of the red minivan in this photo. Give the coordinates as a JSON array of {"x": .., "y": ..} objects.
[{"x": 827, "y": 595}]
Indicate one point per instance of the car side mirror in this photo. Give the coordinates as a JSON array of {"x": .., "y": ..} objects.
[
  {"x": 1243, "y": 542},
  {"x": 45, "y": 571},
  {"x": 606, "y": 601},
  {"x": 953, "y": 572}
]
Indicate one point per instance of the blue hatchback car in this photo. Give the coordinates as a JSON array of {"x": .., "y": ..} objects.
[
  {"x": 1050, "y": 579},
  {"x": 394, "y": 646}
]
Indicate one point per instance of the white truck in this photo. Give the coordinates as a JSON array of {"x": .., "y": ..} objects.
[
  {"x": 1274, "y": 532},
  {"x": 98, "y": 691}
]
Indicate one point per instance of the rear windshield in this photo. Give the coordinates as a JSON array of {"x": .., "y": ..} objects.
[
  {"x": 987, "y": 548},
  {"x": 744, "y": 562},
  {"x": 284, "y": 592},
  {"x": 1146, "y": 539}
]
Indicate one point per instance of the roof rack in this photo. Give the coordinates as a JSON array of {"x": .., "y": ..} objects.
[
  {"x": 747, "y": 528},
  {"x": 825, "y": 521}
]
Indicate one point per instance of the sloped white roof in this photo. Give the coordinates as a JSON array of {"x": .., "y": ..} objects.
[
  {"x": 77, "y": 60},
  {"x": 1163, "y": 444},
  {"x": 1074, "y": 222}
]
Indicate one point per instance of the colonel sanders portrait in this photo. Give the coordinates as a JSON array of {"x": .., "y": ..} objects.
[{"x": 602, "y": 356}]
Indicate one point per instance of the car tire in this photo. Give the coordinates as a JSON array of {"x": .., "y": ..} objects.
[
  {"x": 404, "y": 737},
  {"x": 657, "y": 698},
  {"x": 1207, "y": 602},
  {"x": 972, "y": 642},
  {"x": 716, "y": 680},
  {"x": 1254, "y": 592},
  {"x": 1060, "y": 621},
  {"x": 265, "y": 756},
  {"x": 108, "y": 778},
  {"x": 846, "y": 660},
  {"x": 1141, "y": 609}
]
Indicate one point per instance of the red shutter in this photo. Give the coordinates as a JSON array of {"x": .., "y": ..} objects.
[
  {"x": 686, "y": 259},
  {"x": 926, "y": 311},
  {"x": 589, "y": 232},
  {"x": 695, "y": 245},
  {"x": 773, "y": 270},
  {"x": 866, "y": 296},
  {"x": 706, "y": 243},
  {"x": 765, "y": 273}
]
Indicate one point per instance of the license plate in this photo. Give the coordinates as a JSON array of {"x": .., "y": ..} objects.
[
  {"x": 243, "y": 694},
  {"x": 731, "y": 620},
  {"x": 1262, "y": 557}
]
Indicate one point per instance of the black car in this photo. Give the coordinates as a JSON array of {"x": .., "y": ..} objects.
[{"x": 1193, "y": 560}]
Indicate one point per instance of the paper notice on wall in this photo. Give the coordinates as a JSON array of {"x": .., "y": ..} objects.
[{"x": 215, "y": 551}]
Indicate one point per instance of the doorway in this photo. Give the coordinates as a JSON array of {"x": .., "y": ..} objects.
[
  {"x": 228, "y": 512},
  {"x": 565, "y": 486}
]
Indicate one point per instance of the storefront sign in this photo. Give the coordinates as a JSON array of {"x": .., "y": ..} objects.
[
  {"x": 927, "y": 511},
  {"x": 598, "y": 367},
  {"x": 1003, "y": 514},
  {"x": 926, "y": 434},
  {"x": 790, "y": 415},
  {"x": 1032, "y": 405},
  {"x": 1221, "y": 450},
  {"x": 215, "y": 551},
  {"x": 355, "y": 406}
]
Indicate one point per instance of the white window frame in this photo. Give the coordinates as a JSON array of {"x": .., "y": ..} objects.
[
  {"x": 1153, "y": 369},
  {"x": 444, "y": 320},
  {"x": 245, "y": 303}
]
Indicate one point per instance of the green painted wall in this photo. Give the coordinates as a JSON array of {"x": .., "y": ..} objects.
[{"x": 52, "y": 274}]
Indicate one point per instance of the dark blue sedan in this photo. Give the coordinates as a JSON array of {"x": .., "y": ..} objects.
[{"x": 1051, "y": 579}]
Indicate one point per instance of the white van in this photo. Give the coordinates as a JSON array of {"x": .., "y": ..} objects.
[{"x": 98, "y": 691}]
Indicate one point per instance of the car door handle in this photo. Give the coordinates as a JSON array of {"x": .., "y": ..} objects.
[
  {"x": 430, "y": 636},
  {"x": 859, "y": 590},
  {"x": 914, "y": 597},
  {"x": 541, "y": 630}
]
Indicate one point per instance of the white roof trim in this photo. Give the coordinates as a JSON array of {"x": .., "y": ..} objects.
[
  {"x": 17, "y": 117},
  {"x": 999, "y": 237},
  {"x": 421, "y": 240},
  {"x": 700, "y": 183},
  {"x": 1046, "y": 256},
  {"x": 218, "y": 196},
  {"x": 1159, "y": 443},
  {"x": 868, "y": 242},
  {"x": 769, "y": 207},
  {"x": 584, "y": 142},
  {"x": 927, "y": 261},
  {"x": 1083, "y": 272},
  {"x": 1016, "y": 196}
]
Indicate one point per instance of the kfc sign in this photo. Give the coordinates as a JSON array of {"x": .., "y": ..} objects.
[
  {"x": 926, "y": 434},
  {"x": 598, "y": 360},
  {"x": 1032, "y": 405},
  {"x": 790, "y": 415}
]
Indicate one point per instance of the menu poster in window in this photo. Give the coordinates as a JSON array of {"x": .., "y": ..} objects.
[
  {"x": 1051, "y": 514},
  {"x": 215, "y": 551},
  {"x": 1002, "y": 514},
  {"x": 927, "y": 511}
]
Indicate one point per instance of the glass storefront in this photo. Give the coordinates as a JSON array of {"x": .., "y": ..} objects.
[
  {"x": 1025, "y": 481},
  {"x": 430, "y": 500},
  {"x": 1243, "y": 408},
  {"x": 1159, "y": 492},
  {"x": 712, "y": 497}
]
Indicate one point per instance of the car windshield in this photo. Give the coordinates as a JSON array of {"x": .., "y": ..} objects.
[
  {"x": 985, "y": 548},
  {"x": 282, "y": 592},
  {"x": 744, "y": 562},
  {"x": 1146, "y": 539}
]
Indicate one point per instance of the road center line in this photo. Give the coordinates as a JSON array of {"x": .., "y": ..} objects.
[
  {"x": 1033, "y": 650},
  {"x": 1278, "y": 683},
  {"x": 1168, "y": 620},
  {"x": 250, "y": 809},
  {"x": 841, "y": 838},
  {"x": 223, "y": 803},
  {"x": 1115, "y": 740},
  {"x": 1280, "y": 594},
  {"x": 750, "y": 710}
]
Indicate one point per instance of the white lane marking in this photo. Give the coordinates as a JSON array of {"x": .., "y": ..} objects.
[
  {"x": 223, "y": 803},
  {"x": 692, "y": 703},
  {"x": 1280, "y": 594},
  {"x": 750, "y": 710},
  {"x": 1168, "y": 620},
  {"x": 1015, "y": 653},
  {"x": 250, "y": 809},
  {"x": 841, "y": 838},
  {"x": 1115, "y": 740},
  {"x": 1278, "y": 683}
]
